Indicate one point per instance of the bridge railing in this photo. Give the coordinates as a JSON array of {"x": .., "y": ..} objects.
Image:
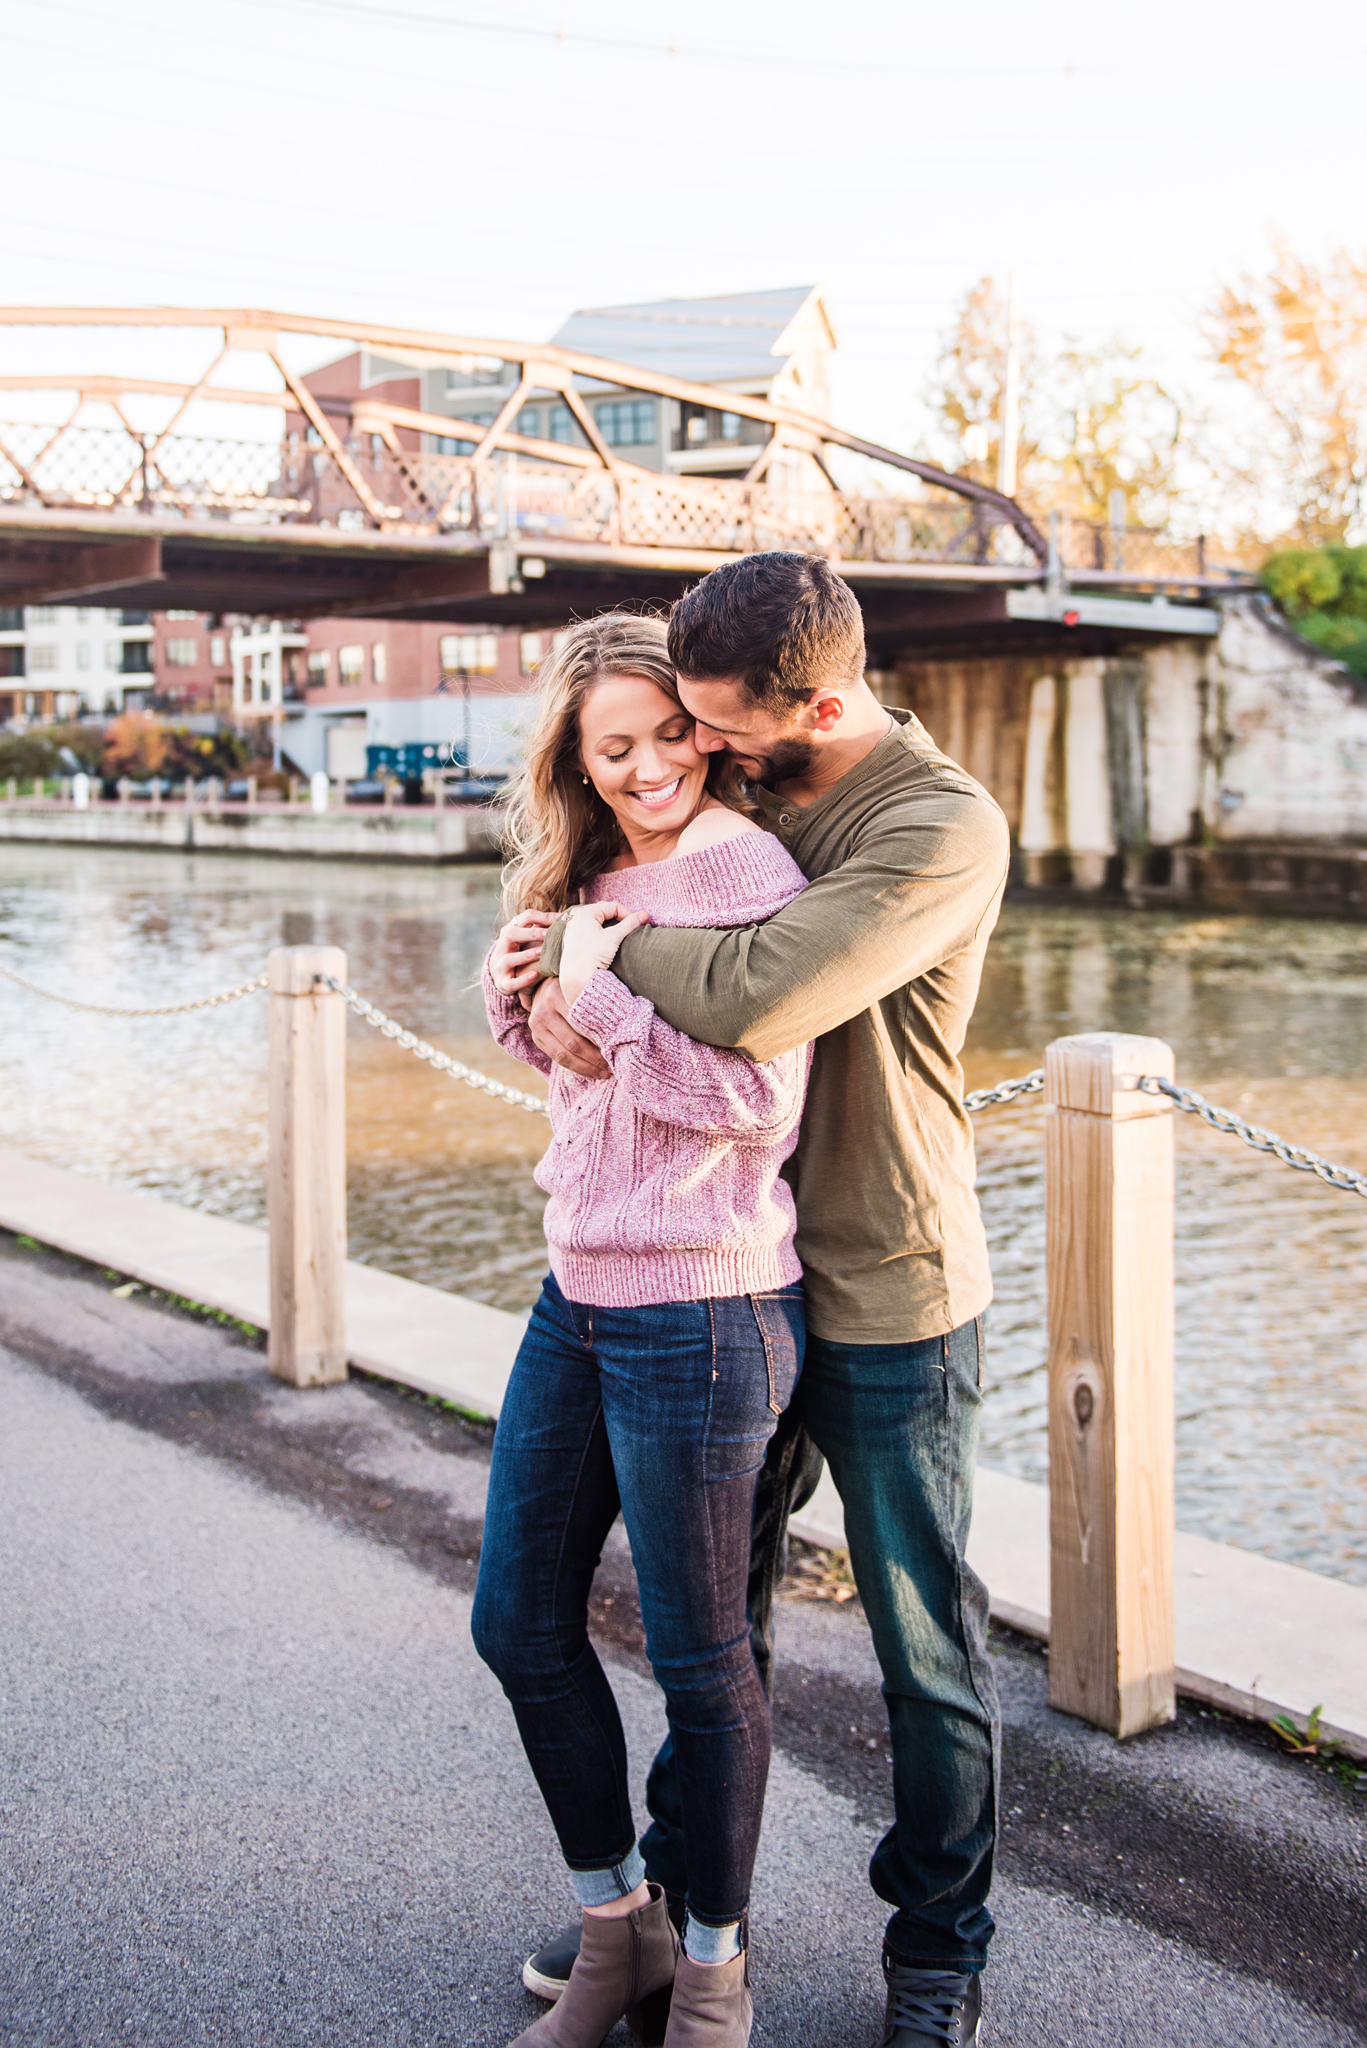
[
  {"x": 1134, "y": 554},
  {"x": 508, "y": 495}
]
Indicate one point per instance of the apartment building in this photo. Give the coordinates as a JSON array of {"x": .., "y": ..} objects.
[
  {"x": 382, "y": 682},
  {"x": 360, "y": 683},
  {"x": 64, "y": 661},
  {"x": 775, "y": 345}
]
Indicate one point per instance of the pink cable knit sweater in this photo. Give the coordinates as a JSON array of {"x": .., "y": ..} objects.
[{"x": 664, "y": 1180}]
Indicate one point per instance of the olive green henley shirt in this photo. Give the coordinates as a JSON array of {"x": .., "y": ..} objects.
[{"x": 879, "y": 962}]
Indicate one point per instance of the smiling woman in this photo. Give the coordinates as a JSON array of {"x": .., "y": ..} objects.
[
  {"x": 613, "y": 775},
  {"x": 667, "y": 1340}
]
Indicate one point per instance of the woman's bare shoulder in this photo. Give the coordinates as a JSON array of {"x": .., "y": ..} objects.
[{"x": 711, "y": 827}]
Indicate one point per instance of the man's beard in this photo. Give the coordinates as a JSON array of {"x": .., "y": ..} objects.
[{"x": 786, "y": 761}]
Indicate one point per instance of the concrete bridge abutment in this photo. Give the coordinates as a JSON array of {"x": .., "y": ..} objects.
[{"x": 1230, "y": 770}]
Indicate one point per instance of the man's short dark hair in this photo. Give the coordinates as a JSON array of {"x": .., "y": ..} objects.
[{"x": 778, "y": 624}]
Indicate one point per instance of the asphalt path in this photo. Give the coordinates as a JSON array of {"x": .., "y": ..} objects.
[{"x": 256, "y": 1787}]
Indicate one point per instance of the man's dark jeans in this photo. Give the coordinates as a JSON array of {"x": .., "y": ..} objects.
[
  {"x": 666, "y": 1411},
  {"x": 898, "y": 1424}
]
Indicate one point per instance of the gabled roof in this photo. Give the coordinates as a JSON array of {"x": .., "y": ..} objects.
[{"x": 738, "y": 335}]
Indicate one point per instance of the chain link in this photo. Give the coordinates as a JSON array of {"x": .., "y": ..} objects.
[
  {"x": 226, "y": 995},
  {"x": 1005, "y": 1091},
  {"x": 1233, "y": 1126},
  {"x": 457, "y": 1069}
]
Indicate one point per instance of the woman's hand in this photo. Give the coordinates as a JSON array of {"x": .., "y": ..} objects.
[
  {"x": 590, "y": 942},
  {"x": 517, "y": 950}
]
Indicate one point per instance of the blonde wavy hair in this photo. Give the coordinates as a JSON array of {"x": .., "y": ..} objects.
[{"x": 559, "y": 833}]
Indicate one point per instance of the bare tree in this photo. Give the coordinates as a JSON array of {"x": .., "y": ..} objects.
[{"x": 1295, "y": 341}]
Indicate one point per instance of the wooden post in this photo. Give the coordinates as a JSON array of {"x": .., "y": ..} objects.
[
  {"x": 1109, "y": 1194},
  {"x": 306, "y": 1189}
]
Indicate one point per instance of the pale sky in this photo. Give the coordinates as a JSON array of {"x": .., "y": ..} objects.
[{"x": 486, "y": 169}]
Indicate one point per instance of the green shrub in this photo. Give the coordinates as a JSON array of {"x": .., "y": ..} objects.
[
  {"x": 1323, "y": 591},
  {"x": 25, "y": 754}
]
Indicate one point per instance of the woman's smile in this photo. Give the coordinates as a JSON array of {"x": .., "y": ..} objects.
[{"x": 657, "y": 799}]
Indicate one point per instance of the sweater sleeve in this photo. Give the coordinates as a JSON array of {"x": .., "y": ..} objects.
[
  {"x": 508, "y": 1022},
  {"x": 912, "y": 894},
  {"x": 672, "y": 1077}
]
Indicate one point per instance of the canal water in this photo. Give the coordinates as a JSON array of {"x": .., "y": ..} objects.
[{"x": 1266, "y": 1016}]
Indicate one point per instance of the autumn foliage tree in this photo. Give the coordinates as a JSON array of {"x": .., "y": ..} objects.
[
  {"x": 135, "y": 744},
  {"x": 1294, "y": 342},
  {"x": 1093, "y": 421},
  {"x": 968, "y": 386}
]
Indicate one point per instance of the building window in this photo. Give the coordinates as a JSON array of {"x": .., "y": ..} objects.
[
  {"x": 182, "y": 653},
  {"x": 181, "y": 615},
  {"x": 45, "y": 656},
  {"x": 562, "y": 424},
  {"x": 730, "y": 426},
  {"x": 469, "y": 653},
  {"x": 486, "y": 370},
  {"x": 42, "y": 614},
  {"x": 136, "y": 658},
  {"x": 82, "y": 654},
  {"x": 350, "y": 663},
  {"x": 529, "y": 651},
  {"x": 627, "y": 422},
  {"x": 379, "y": 661},
  {"x": 113, "y": 653},
  {"x": 529, "y": 422},
  {"x": 217, "y": 651},
  {"x": 319, "y": 663},
  {"x": 480, "y": 421}
]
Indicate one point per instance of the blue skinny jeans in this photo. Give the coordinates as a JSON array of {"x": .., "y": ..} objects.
[
  {"x": 898, "y": 1425},
  {"x": 665, "y": 1412}
]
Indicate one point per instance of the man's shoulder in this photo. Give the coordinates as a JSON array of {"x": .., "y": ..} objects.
[{"x": 916, "y": 785}]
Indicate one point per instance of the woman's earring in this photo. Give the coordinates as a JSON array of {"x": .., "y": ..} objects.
[{"x": 585, "y": 780}]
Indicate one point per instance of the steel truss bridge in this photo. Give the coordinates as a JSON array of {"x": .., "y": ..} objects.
[{"x": 337, "y": 508}]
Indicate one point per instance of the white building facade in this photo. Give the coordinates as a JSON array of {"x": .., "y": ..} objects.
[{"x": 64, "y": 661}]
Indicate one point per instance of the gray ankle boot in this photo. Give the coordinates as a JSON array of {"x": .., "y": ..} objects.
[
  {"x": 625, "y": 1967},
  {"x": 711, "y": 2006}
]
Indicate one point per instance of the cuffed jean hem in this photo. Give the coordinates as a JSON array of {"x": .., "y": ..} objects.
[
  {"x": 704, "y": 1944},
  {"x": 967, "y": 1966},
  {"x": 601, "y": 1887}
]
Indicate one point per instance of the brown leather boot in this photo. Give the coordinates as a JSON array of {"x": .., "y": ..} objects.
[
  {"x": 711, "y": 2006},
  {"x": 625, "y": 1966}
]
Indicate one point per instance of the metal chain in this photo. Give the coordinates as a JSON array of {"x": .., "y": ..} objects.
[
  {"x": 1005, "y": 1091},
  {"x": 457, "y": 1069},
  {"x": 226, "y": 995},
  {"x": 1225, "y": 1120}
]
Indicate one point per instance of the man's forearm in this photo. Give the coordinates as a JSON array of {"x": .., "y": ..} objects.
[{"x": 848, "y": 941}]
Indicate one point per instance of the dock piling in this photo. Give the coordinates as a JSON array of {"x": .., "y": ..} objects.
[
  {"x": 1109, "y": 1256},
  {"x": 306, "y": 1176}
]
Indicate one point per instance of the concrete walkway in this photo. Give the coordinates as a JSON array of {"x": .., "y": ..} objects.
[
  {"x": 256, "y": 1787},
  {"x": 1259, "y": 1637}
]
